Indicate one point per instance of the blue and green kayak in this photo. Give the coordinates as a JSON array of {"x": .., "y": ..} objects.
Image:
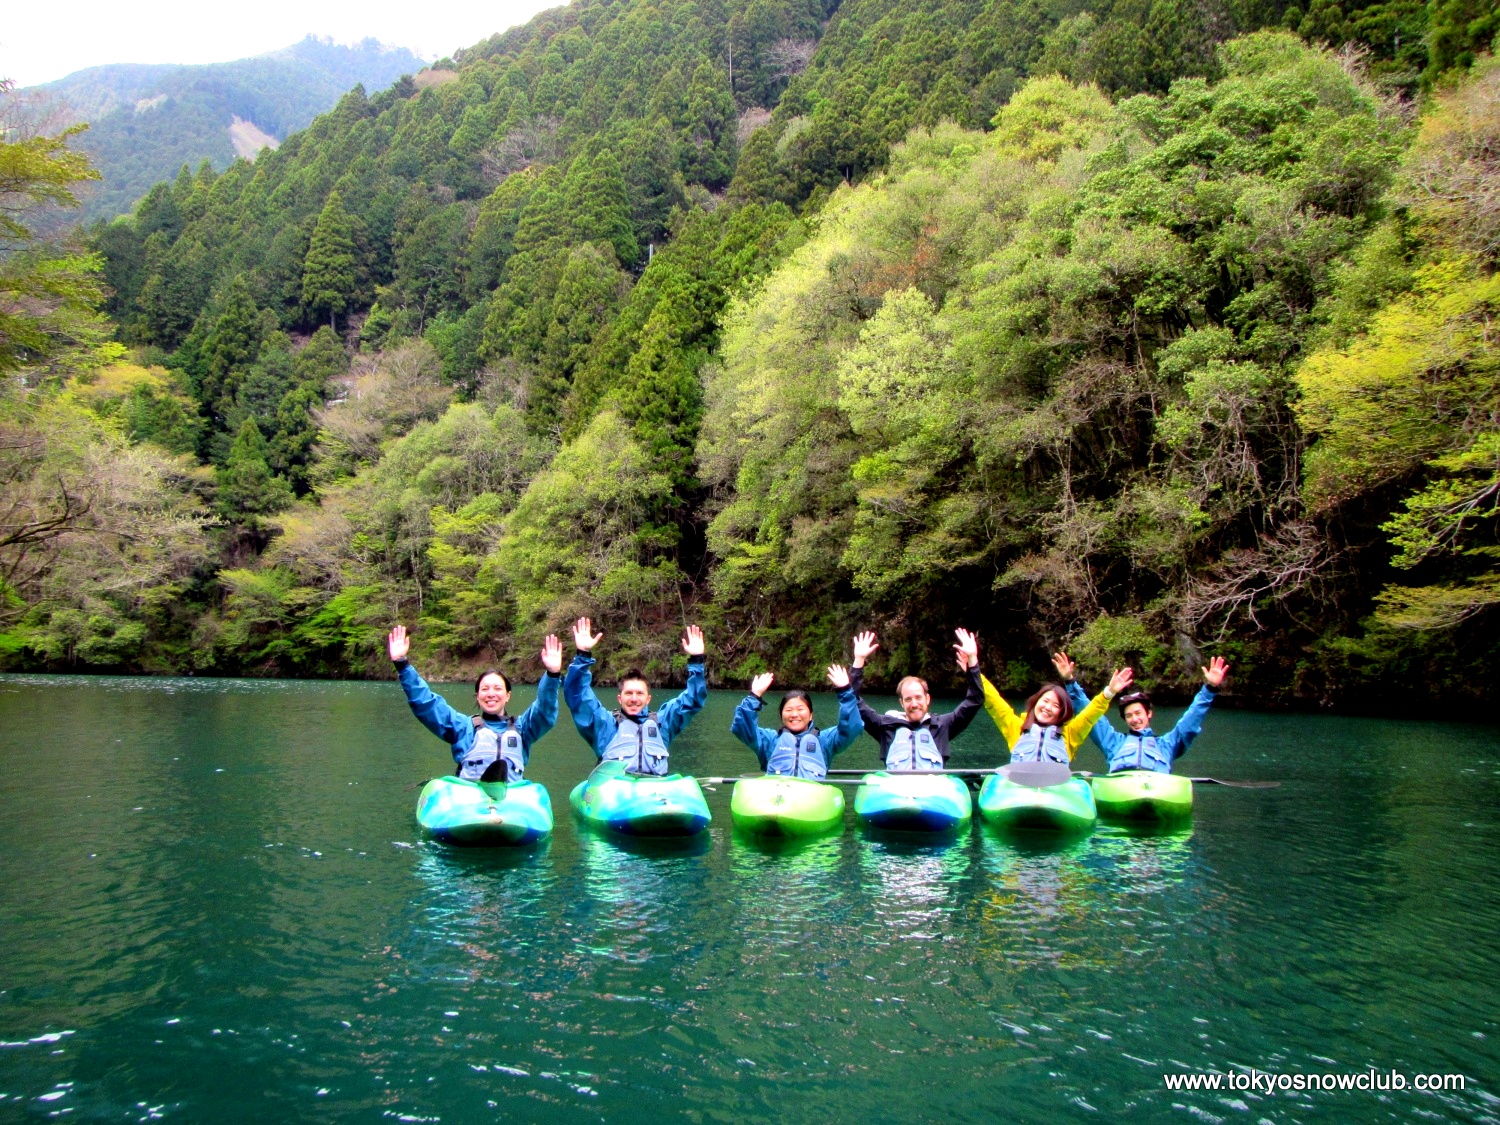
[
  {"x": 1143, "y": 796},
  {"x": 484, "y": 814},
  {"x": 786, "y": 806},
  {"x": 1066, "y": 807},
  {"x": 640, "y": 806},
  {"x": 913, "y": 802}
]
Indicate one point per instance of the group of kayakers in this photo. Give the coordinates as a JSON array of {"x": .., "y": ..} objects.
[{"x": 492, "y": 746}]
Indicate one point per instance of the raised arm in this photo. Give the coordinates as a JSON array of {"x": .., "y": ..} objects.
[
  {"x": 746, "y": 722},
  {"x": 1080, "y": 724},
  {"x": 594, "y": 723},
  {"x": 1105, "y": 737},
  {"x": 1176, "y": 741},
  {"x": 1001, "y": 712},
  {"x": 676, "y": 712},
  {"x": 431, "y": 709},
  {"x": 850, "y": 723},
  {"x": 540, "y": 717}
]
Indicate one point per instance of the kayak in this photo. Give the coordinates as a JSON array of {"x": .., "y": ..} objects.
[
  {"x": 640, "y": 806},
  {"x": 1067, "y": 807},
  {"x": 1144, "y": 796},
  {"x": 484, "y": 814},
  {"x": 786, "y": 806},
  {"x": 913, "y": 802}
]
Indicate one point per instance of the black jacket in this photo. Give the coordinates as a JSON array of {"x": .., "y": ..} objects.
[{"x": 944, "y": 728}]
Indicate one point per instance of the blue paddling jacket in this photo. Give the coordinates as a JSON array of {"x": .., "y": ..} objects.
[
  {"x": 459, "y": 730},
  {"x": 640, "y": 742},
  {"x": 789, "y": 755},
  {"x": 1146, "y": 750}
]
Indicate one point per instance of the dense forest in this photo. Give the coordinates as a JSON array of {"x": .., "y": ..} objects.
[
  {"x": 1147, "y": 329},
  {"x": 146, "y": 121}
]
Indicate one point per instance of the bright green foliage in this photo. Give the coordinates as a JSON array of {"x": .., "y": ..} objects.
[{"x": 328, "y": 274}]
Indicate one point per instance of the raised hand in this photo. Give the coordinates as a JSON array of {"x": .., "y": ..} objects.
[
  {"x": 761, "y": 682},
  {"x": 838, "y": 676},
  {"x": 1121, "y": 680},
  {"x": 584, "y": 637},
  {"x": 552, "y": 654},
  {"x": 397, "y": 643},
  {"x": 967, "y": 648},
  {"x": 864, "y": 647},
  {"x": 692, "y": 641},
  {"x": 1065, "y": 667},
  {"x": 1214, "y": 674}
]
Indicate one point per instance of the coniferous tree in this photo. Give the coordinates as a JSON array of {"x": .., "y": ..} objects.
[
  {"x": 329, "y": 272},
  {"x": 248, "y": 489}
]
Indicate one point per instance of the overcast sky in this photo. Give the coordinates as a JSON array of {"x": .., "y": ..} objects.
[{"x": 39, "y": 42}]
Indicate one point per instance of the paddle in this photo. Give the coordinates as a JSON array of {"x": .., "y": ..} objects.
[
  {"x": 1207, "y": 781},
  {"x": 763, "y": 776},
  {"x": 1033, "y": 775}
]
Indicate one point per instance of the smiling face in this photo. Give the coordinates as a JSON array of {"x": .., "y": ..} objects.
[
  {"x": 1137, "y": 717},
  {"x": 914, "y": 698},
  {"x": 796, "y": 715},
  {"x": 634, "y": 697},
  {"x": 1048, "y": 709},
  {"x": 492, "y": 695}
]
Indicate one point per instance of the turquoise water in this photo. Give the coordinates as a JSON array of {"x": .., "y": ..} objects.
[{"x": 215, "y": 907}]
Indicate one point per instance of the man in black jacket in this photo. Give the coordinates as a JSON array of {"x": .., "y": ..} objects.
[{"x": 918, "y": 740}]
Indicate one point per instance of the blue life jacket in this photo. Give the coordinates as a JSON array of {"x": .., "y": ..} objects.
[
  {"x": 1140, "y": 752},
  {"x": 798, "y": 755},
  {"x": 1040, "y": 744},
  {"x": 493, "y": 746},
  {"x": 638, "y": 743},
  {"x": 913, "y": 750}
]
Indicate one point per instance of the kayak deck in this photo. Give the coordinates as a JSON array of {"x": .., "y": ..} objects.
[
  {"x": 640, "y": 806},
  {"x": 910, "y": 802},
  {"x": 484, "y": 814},
  {"x": 786, "y": 806},
  {"x": 1144, "y": 796},
  {"x": 1068, "y": 807}
]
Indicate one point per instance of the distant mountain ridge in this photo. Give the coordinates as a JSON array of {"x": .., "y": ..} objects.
[{"x": 148, "y": 119}]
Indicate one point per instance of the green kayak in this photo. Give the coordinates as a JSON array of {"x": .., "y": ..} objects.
[
  {"x": 786, "y": 806},
  {"x": 1144, "y": 796},
  {"x": 1068, "y": 807}
]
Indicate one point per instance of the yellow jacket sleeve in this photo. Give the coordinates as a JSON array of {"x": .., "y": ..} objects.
[
  {"x": 1003, "y": 714},
  {"x": 1080, "y": 724}
]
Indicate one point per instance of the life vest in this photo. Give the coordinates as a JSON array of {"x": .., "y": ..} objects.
[
  {"x": 1140, "y": 752},
  {"x": 1040, "y": 744},
  {"x": 798, "y": 755},
  {"x": 913, "y": 750},
  {"x": 495, "y": 754},
  {"x": 638, "y": 743}
]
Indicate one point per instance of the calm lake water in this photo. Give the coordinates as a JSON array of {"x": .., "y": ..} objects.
[{"x": 215, "y": 906}]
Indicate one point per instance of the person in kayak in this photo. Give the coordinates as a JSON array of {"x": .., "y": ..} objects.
[
  {"x": 1048, "y": 730},
  {"x": 918, "y": 739},
  {"x": 634, "y": 735},
  {"x": 798, "y": 749},
  {"x": 489, "y": 746},
  {"x": 1143, "y": 748}
]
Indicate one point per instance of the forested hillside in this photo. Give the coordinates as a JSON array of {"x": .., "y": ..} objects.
[
  {"x": 147, "y": 121},
  {"x": 1133, "y": 329}
]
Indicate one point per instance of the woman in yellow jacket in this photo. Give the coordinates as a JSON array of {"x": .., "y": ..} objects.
[{"x": 1048, "y": 731}]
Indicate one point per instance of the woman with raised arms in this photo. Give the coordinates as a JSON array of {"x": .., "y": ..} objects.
[
  {"x": 798, "y": 749},
  {"x": 1048, "y": 731}
]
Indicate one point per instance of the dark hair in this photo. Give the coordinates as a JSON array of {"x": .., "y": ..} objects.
[
  {"x": 1067, "y": 705},
  {"x": 504, "y": 679},
  {"x": 1141, "y": 697},
  {"x": 795, "y": 693},
  {"x": 633, "y": 674}
]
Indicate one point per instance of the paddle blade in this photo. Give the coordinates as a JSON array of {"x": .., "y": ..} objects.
[{"x": 1037, "y": 775}]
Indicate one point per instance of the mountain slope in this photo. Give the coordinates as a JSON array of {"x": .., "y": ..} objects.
[{"x": 146, "y": 120}]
